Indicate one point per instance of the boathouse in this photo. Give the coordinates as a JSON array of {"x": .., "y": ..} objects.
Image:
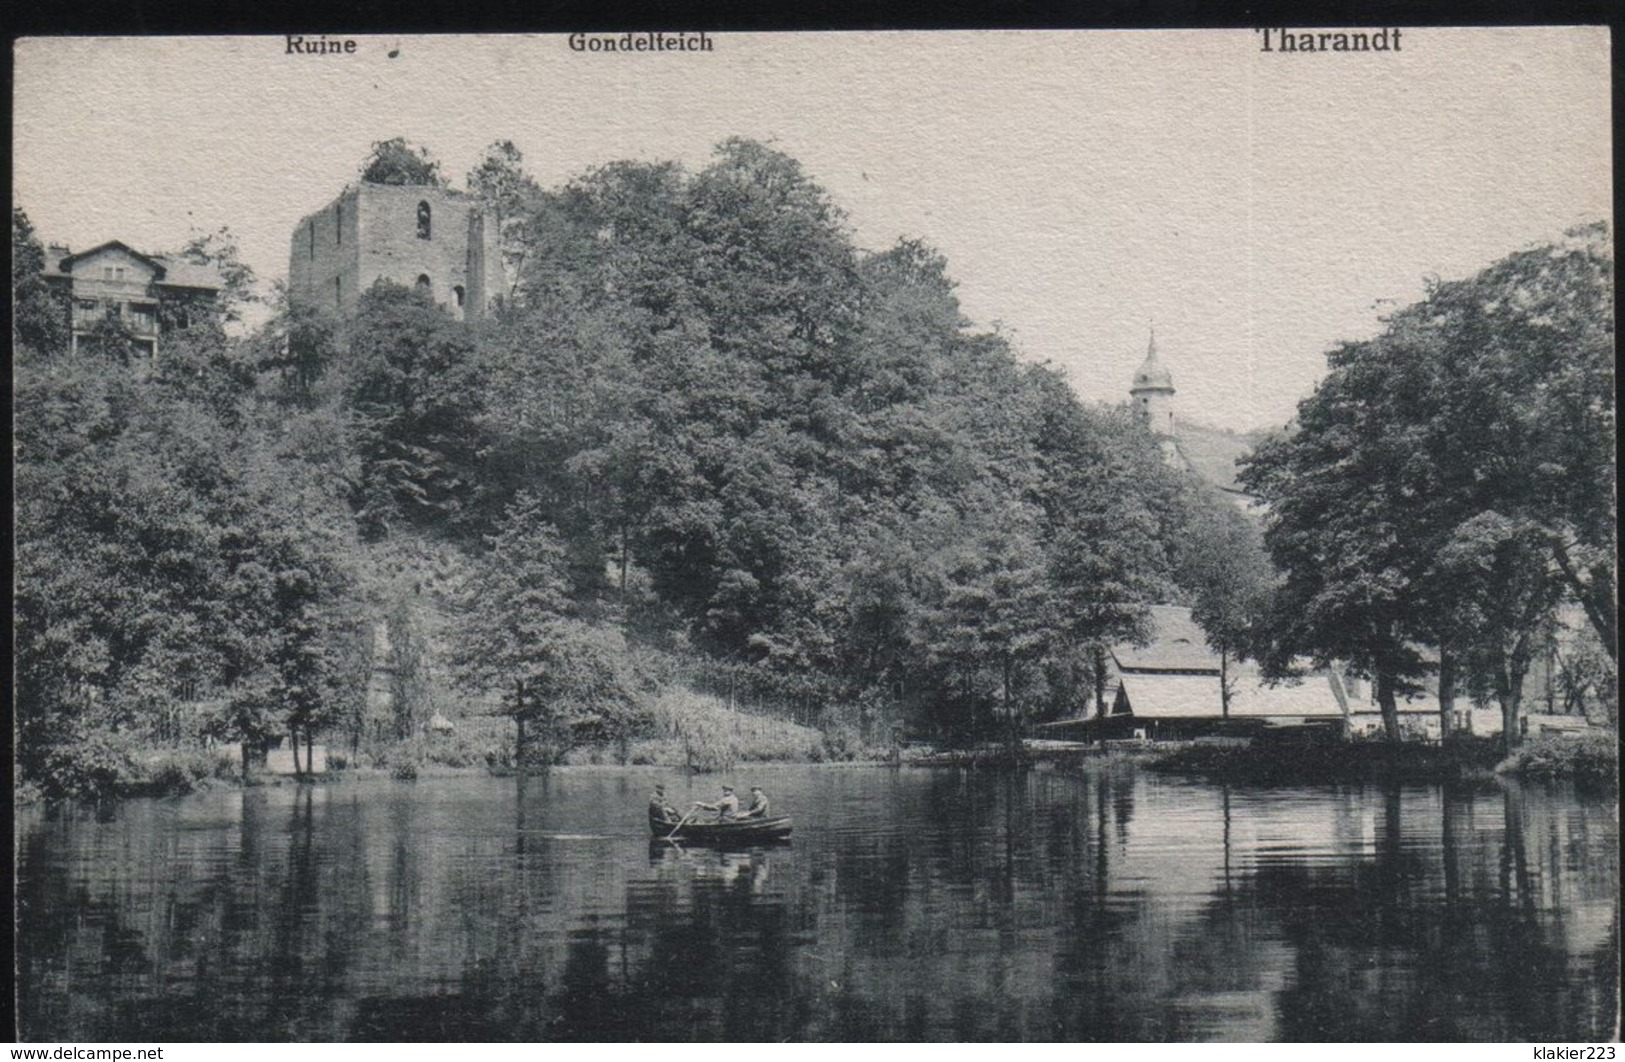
[{"x": 1173, "y": 687}]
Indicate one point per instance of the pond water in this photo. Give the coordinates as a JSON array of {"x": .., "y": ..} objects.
[{"x": 1093, "y": 903}]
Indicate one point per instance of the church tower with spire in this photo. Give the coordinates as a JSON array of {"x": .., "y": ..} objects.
[
  {"x": 1210, "y": 454},
  {"x": 1153, "y": 392}
]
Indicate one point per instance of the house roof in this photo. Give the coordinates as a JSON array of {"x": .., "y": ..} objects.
[
  {"x": 1177, "y": 644},
  {"x": 1162, "y": 696},
  {"x": 1311, "y": 695},
  {"x": 1548, "y": 721},
  {"x": 183, "y": 273},
  {"x": 66, "y": 263},
  {"x": 1154, "y": 695},
  {"x": 170, "y": 270}
]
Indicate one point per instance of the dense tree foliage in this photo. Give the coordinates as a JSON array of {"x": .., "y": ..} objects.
[
  {"x": 703, "y": 421},
  {"x": 706, "y": 426},
  {"x": 412, "y": 387},
  {"x": 1228, "y": 579},
  {"x": 509, "y": 195},
  {"x": 39, "y": 317},
  {"x": 397, "y": 161},
  {"x": 563, "y": 680},
  {"x": 186, "y": 569},
  {"x": 172, "y": 548},
  {"x": 1451, "y": 482},
  {"x": 220, "y": 250},
  {"x": 806, "y": 456}
]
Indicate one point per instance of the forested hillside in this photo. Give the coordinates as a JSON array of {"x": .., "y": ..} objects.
[{"x": 705, "y": 440}]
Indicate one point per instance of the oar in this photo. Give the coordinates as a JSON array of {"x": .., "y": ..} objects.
[{"x": 682, "y": 822}]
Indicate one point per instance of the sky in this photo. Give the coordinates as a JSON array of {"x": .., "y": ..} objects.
[{"x": 1256, "y": 208}]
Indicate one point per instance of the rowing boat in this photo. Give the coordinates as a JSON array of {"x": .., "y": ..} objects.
[{"x": 730, "y": 831}]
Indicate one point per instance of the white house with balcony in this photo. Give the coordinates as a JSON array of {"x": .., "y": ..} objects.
[{"x": 114, "y": 281}]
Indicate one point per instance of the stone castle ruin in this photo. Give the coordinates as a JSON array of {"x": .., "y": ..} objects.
[{"x": 433, "y": 239}]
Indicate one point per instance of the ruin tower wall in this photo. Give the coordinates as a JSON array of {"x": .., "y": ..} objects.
[
  {"x": 392, "y": 249},
  {"x": 485, "y": 276},
  {"x": 323, "y": 256},
  {"x": 372, "y": 232}
]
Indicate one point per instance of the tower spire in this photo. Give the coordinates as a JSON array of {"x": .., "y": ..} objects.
[{"x": 1153, "y": 390}]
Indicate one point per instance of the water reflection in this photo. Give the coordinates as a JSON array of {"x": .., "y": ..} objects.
[{"x": 912, "y": 905}]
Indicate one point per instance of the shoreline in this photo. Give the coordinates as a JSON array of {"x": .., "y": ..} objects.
[{"x": 1590, "y": 763}]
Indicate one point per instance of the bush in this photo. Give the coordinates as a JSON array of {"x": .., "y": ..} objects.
[
  {"x": 664, "y": 753},
  {"x": 173, "y": 771},
  {"x": 404, "y": 771},
  {"x": 88, "y": 764},
  {"x": 841, "y": 746},
  {"x": 455, "y": 750},
  {"x": 385, "y": 757},
  {"x": 1269, "y": 763},
  {"x": 1590, "y": 759},
  {"x": 26, "y": 793},
  {"x": 92, "y": 763},
  {"x": 592, "y": 755}
]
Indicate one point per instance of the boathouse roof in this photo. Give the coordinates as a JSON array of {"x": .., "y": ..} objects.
[{"x": 1177, "y": 644}]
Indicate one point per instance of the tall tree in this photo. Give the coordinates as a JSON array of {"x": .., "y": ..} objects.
[
  {"x": 171, "y": 546},
  {"x": 1221, "y": 563},
  {"x": 1524, "y": 420},
  {"x": 400, "y": 162},
  {"x": 509, "y": 194},
  {"x": 220, "y": 250},
  {"x": 1338, "y": 528},
  {"x": 413, "y": 387},
  {"x": 1504, "y": 596},
  {"x": 562, "y": 680},
  {"x": 1479, "y": 426},
  {"x": 994, "y": 607},
  {"x": 39, "y": 315},
  {"x": 300, "y": 344}
]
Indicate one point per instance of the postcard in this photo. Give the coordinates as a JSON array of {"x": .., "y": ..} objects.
[{"x": 705, "y": 536}]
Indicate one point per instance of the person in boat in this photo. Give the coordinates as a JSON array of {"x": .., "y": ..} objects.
[
  {"x": 727, "y": 808},
  {"x": 760, "y": 807},
  {"x": 660, "y": 808}
]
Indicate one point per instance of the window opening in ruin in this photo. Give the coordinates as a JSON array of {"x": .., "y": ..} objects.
[
  {"x": 338, "y": 292},
  {"x": 424, "y": 218},
  {"x": 338, "y": 223},
  {"x": 425, "y": 285},
  {"x": 457, "y": 293},
  {"x": 312, "y": 239}
]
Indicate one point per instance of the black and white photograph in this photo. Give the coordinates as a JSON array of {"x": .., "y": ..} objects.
[{"x": 716, "y": 537}]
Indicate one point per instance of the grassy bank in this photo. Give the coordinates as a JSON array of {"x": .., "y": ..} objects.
[
  {"x": 101, "y": 766},
  {"x": 682, "y": 730},
  {"x": 698, "y": 732},
  {"x": 1031, "y": 752},
  {"x": 1470, "y": 759},
  {"x": 1592, "y": 760}
]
